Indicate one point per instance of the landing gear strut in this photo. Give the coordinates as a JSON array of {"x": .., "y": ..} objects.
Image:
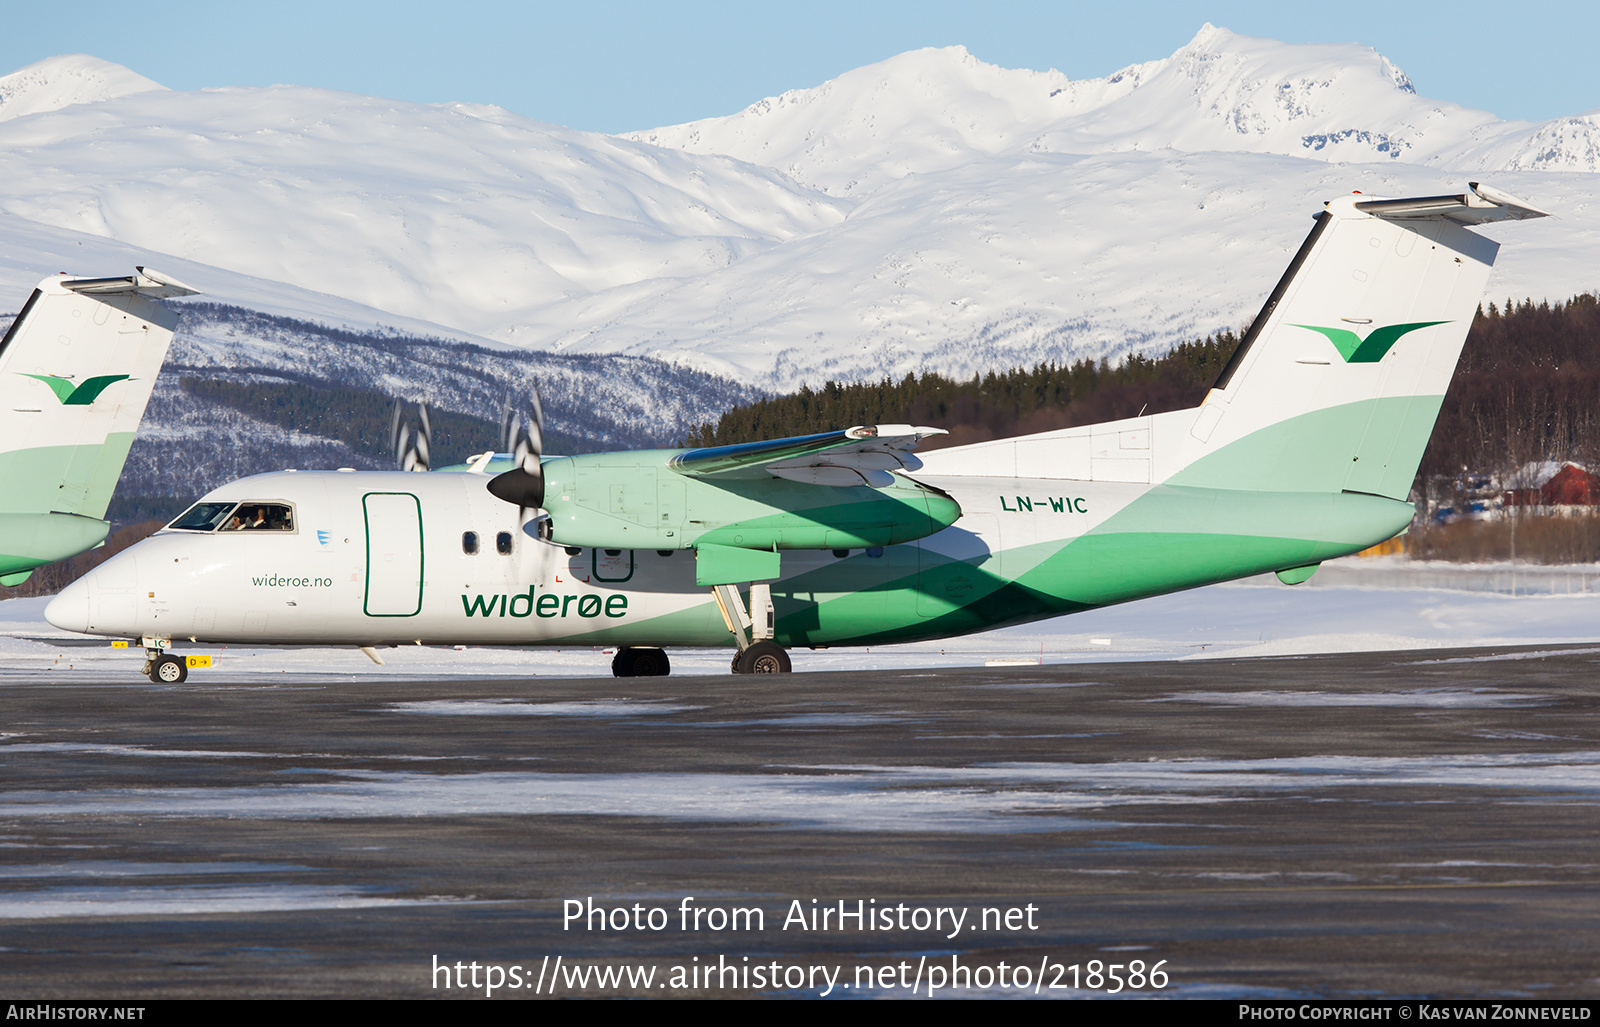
[
  {"x": 640, "y": 663},
  {"x": 757, "y": 654}
]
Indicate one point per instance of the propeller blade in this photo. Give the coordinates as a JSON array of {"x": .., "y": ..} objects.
[
  {"x": 508, "y": 425},
  {"x": 423, "y": 447},
  {"x": 412, "y": 446},
  {"x": 536, "y": 427},
  {"x": 524, "y": 483},
  {"x": 394, "y": 429}
]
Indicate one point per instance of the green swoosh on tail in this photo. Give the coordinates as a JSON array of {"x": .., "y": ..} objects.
[
  {"x": 82, "y": 395},
  {"x": 1370, "y": 350}
]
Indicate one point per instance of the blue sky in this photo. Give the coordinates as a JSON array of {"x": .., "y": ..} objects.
[{"x": 610, "y": 66}]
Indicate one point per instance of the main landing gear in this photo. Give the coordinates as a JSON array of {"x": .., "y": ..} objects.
[
  {"x": 758, "y": 654},
  {"x": 640, "y": 663},
  {"x": 762, "y": 658}
]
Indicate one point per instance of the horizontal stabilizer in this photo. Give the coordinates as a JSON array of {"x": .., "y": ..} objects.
[
  {"x": 1480, "y": 205},
  {"x": 143, "y": 282},
  {"x": 863, "y": 455}
]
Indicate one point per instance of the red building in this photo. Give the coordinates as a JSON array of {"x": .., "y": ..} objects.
[{"x": 1552, "y": 484}]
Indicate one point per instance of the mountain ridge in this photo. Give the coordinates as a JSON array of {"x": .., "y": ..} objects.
[
  {"x": 65, "y": 80},
  {"x": 929, "y": 211},
  {"x": 1221, "y": 91}
]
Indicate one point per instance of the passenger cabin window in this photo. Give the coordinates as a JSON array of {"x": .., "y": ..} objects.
[
  {"x": 469, "y": 543},
  {"x": 247, "y": 516},
  {"x": 502, "y": 543}
]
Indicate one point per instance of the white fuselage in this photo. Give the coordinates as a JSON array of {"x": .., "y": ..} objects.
[{"x": 378, "y": 558}]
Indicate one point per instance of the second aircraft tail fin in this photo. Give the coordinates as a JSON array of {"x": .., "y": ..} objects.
[{"x": 77, "y": 367}]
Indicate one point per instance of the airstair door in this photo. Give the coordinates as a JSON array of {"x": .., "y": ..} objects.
[{"x": 394, "y": 554}]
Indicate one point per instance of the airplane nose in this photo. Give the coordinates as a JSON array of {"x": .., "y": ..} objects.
[{"x": 69, "y": 610}]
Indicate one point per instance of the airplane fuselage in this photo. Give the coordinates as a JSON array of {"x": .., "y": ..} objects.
[{"x": 379, "y": 558}]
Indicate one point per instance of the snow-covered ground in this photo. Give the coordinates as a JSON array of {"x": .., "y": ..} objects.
[{"x": 1351, "y": 606}]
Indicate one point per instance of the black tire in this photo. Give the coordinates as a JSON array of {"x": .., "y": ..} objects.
[
  {"x": 169, "y": 670},
  {"x": 640, "y": 663},
  {"x": 651, "y": 663},
  {"x": 764, "y": 658}
]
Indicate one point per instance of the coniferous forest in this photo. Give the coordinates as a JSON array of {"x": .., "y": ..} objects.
[
  {"x": 1527, "y": 388},
  {"x": 1040, "y": 398}
]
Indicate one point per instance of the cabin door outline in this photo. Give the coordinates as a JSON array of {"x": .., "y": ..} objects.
[{"x": 394, "y": 554}]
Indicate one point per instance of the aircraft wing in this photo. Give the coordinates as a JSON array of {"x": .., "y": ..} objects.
[{"x": 863, "y": 455}]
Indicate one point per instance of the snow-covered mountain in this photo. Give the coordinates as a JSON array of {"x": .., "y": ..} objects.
[
  {"x": 933, "y": 110},
  {"x": 58, "y": 82},
  {"x": 927, "y": 212},
  {"x": 468, "y": 216}
]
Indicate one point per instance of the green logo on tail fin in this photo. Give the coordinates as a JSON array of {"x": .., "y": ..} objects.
[
  {"x": 81, "y": 395},
  {"x": 1370, "y": 350}
]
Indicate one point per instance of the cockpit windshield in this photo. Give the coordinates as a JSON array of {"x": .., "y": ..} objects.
[
  {"x": 203, "y": 517},
  {"x": 246, "y": 516}
]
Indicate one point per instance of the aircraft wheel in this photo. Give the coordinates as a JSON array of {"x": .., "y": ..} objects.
[
  {"x": 169, "y": 670},
  {"x": 640, "y": 663},
  {"x": 764, "y": 658},
  {"x": 651, "y": 663}
]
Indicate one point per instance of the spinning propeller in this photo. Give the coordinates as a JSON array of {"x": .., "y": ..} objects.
[
  {"x": 412, "y": 443},
  {"x": 523, "y": 485}
]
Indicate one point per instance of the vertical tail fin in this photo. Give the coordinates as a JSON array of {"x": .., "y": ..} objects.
[
  {"x": 76, "y": 369},
  {"x": 1338, "y": 383}
]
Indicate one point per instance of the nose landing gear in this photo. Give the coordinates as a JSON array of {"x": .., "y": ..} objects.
[
  {"x": 161, "y": 668},
  {"x": 166, "y": 670}
]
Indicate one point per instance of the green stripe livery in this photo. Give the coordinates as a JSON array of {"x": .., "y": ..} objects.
[
  {"x": 81, "y": 395},
  {"x": 1370, "y": 350}
]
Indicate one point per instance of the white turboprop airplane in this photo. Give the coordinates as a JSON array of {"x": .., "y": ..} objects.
[
  {"x": 1304, "y": 450},
  {"x": 76, "y": 369}
]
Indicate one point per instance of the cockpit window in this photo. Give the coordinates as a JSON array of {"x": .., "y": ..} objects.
[
  {"x": 203, "y": 517},
  {"x": 246, "y": 516},
  {"x": 261, "y": 517}
]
